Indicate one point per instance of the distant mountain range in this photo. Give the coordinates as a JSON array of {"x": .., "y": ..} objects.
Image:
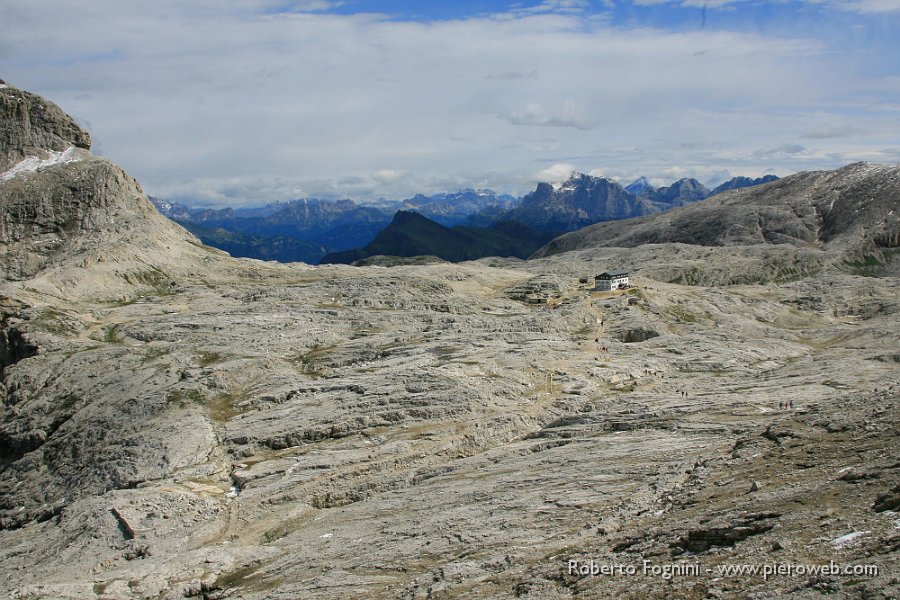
[
  {"x": 459, "y": 207},
  {"x": 322, "y": 226},
  {"x": 471, "y": 223},
  {"x": 583, "y": 200},
  {"x": 281, "y": 248},
  {"x": 307, "y": 230}
]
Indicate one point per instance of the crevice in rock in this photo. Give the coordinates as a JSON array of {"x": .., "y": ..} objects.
[
  {"x": 126, "y": 528},
  {"x": 14, "y": 345}
]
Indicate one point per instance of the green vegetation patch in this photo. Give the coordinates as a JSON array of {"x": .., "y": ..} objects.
[
  {"x": 55, "y": 322},
  {"x": 210, "y": 358},
  {"x": 637, "y": 293},
  {"x": 585, "y": 331},
  {"x": 112, "y": 335},
  {"x": 869, "y": 266},
  {"x": 184, "y": 398},
  {"x": 225, "y": 407},
  {"x": 151, "y": 354},
  {"x": 682, "y": 314},
  {"x": 310, "y": 362},
  {"x": 155, "y": 278},
  {"x": 867, "y": 261}
]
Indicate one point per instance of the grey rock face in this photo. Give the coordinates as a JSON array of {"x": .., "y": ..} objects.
[
  {"x": 59, "y": 203},
  {"x": 849, "y": 214},
  {"x": 49, "y": 213},
  {"x": 741, "y": 182},
  {"x": 579, "y": 201},
  {"x": 54, "y": 195},
  {"x": 680, "y": 193},
  {"x": 33, "y": 126}
]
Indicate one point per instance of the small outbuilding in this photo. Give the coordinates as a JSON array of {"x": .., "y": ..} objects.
[{"x": 611, "y": 280}]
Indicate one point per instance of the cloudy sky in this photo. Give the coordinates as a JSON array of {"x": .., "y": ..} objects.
[{"x": 242, "y": 102}]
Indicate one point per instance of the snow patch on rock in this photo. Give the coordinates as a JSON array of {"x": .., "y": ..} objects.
[{"x": 33, "y": 164}]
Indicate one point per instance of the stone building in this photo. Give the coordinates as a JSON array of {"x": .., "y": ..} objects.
[{"x": 611, "y": 280}]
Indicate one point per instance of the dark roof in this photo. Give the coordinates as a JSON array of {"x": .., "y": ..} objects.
[{"x": 612, "y": 274}]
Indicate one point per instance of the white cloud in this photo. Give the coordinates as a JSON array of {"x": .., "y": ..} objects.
[
  {"x": 387, "y": 175},
  {"x": 861, "y": 6},
  {"x": 780, "y": 151},
  {"x": 567, "y": 114},
  {"x": 556, "y": 173},
  {"x": 831, "y": 132},
  {"x": 555, "y": 6},
  {"x": 267, "y": 99}
]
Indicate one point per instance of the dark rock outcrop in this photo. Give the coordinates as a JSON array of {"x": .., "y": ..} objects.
[
  {"x": 725, "y": 534},
  {"x": 411, "y": 234}
]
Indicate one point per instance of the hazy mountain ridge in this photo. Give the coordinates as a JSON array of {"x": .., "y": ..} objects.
[
  {"x": 456, "y": 208},
  {"x": 281, "y": 248},
  {"x": 326, "y": 224},
  {"x": 736, "y": 183},
  {"x": 680, "y": 193}
]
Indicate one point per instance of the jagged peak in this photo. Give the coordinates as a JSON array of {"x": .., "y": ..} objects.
[
  {"x": 639, "y": 185},
  {"x": 577, "y": 179}
]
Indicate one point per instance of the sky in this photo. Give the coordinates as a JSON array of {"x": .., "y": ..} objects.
[{"x": 231, "y": 103}]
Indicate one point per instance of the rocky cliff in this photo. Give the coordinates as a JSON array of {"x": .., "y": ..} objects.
[
  {"x": 681, "y": 193},
  {"x": 63, "y": 206},
  {"x": 850, "y": 215},
  {"x": 32, "y": 127},
  {"x": 583, "y": 200},
  {"x": 579, "y": 201}
]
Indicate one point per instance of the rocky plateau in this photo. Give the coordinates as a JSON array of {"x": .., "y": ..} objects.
[{"x": 177, "y": 423}]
